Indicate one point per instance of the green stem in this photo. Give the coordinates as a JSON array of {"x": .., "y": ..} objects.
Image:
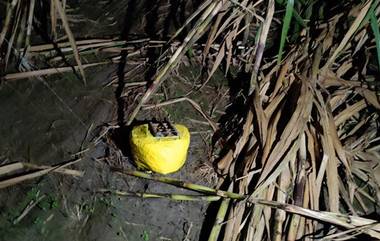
[
  {"x": 178, "y": 183},
  {"x": 214, "y": 234},
  {"x": 175, "y": 197}
]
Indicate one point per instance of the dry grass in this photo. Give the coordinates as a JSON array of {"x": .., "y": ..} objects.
[
  {"x": 306, "y": 151},
  {"x": 310, "y": 126},
  {"x": 306, "y": 122}
]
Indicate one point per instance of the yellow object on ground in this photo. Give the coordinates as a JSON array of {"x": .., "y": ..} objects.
[{"x": 159, "y": 154}]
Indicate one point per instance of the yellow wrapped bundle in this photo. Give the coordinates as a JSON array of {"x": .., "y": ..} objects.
[{"x": 159, "y": 154}]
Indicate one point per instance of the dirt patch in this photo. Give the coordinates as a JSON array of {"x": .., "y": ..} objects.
[{"x": 46, "y": 122}]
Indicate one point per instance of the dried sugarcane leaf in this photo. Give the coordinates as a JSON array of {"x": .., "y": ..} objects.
[
  {"x": 204, "y": 5},
  {"x": 299, "y": 188},
  {"x": 282, "y": 197},
  {"x": 10, "y": 8},
  {"x": 331, "y": 162},
  {"x": 17, "y": 166},
  {"x": 211, "y": 37},
  {"x": 370, "y": 96},
  {"x": 16, "y": 180},
  {"x": 291, "y": 132},
  {"x": 225, "y": 162},
  {"x": 349, "y": 112},
  {"x": 34, "y": 73},
  {"x": 261, "y": 45},
  {"x": 281, "y": 81},
  {"x": 370, "y": 227},
  {"x": 70, "y": 35},
  {"x": 29, "y": 23},
  {"x": 209, "y": 13},
  {"x": 53, "y": 19},
  {"x": 271, "y": 138},
  {"x": 289, "y": 157},
  {"x": 194, "y": 104},
  {"x": 246, "y": 132},
  {"x": 229, "y": 48},
  {"x": 15, "y": 30},
  {"x": 218, "y": 60},
  {"x": 354, "y": 27},
  {"x": 9, "y": 168},
  {"x": 267, "y": 212}
]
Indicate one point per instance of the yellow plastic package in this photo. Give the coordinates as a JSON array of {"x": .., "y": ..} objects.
[{"x": 159, "y": 154}]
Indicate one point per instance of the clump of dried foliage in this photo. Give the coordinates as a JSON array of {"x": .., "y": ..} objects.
[
  {"x": 310, "y": 125},
  {"x": 303, "y": 155}
]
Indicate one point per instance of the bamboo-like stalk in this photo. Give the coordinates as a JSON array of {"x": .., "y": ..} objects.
[
  {"x": 178, "y": 183},
  {"x": 214, "y": 234},
  {"x": 345, "y": 221},
  {"x": 171, "y": 196}
]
